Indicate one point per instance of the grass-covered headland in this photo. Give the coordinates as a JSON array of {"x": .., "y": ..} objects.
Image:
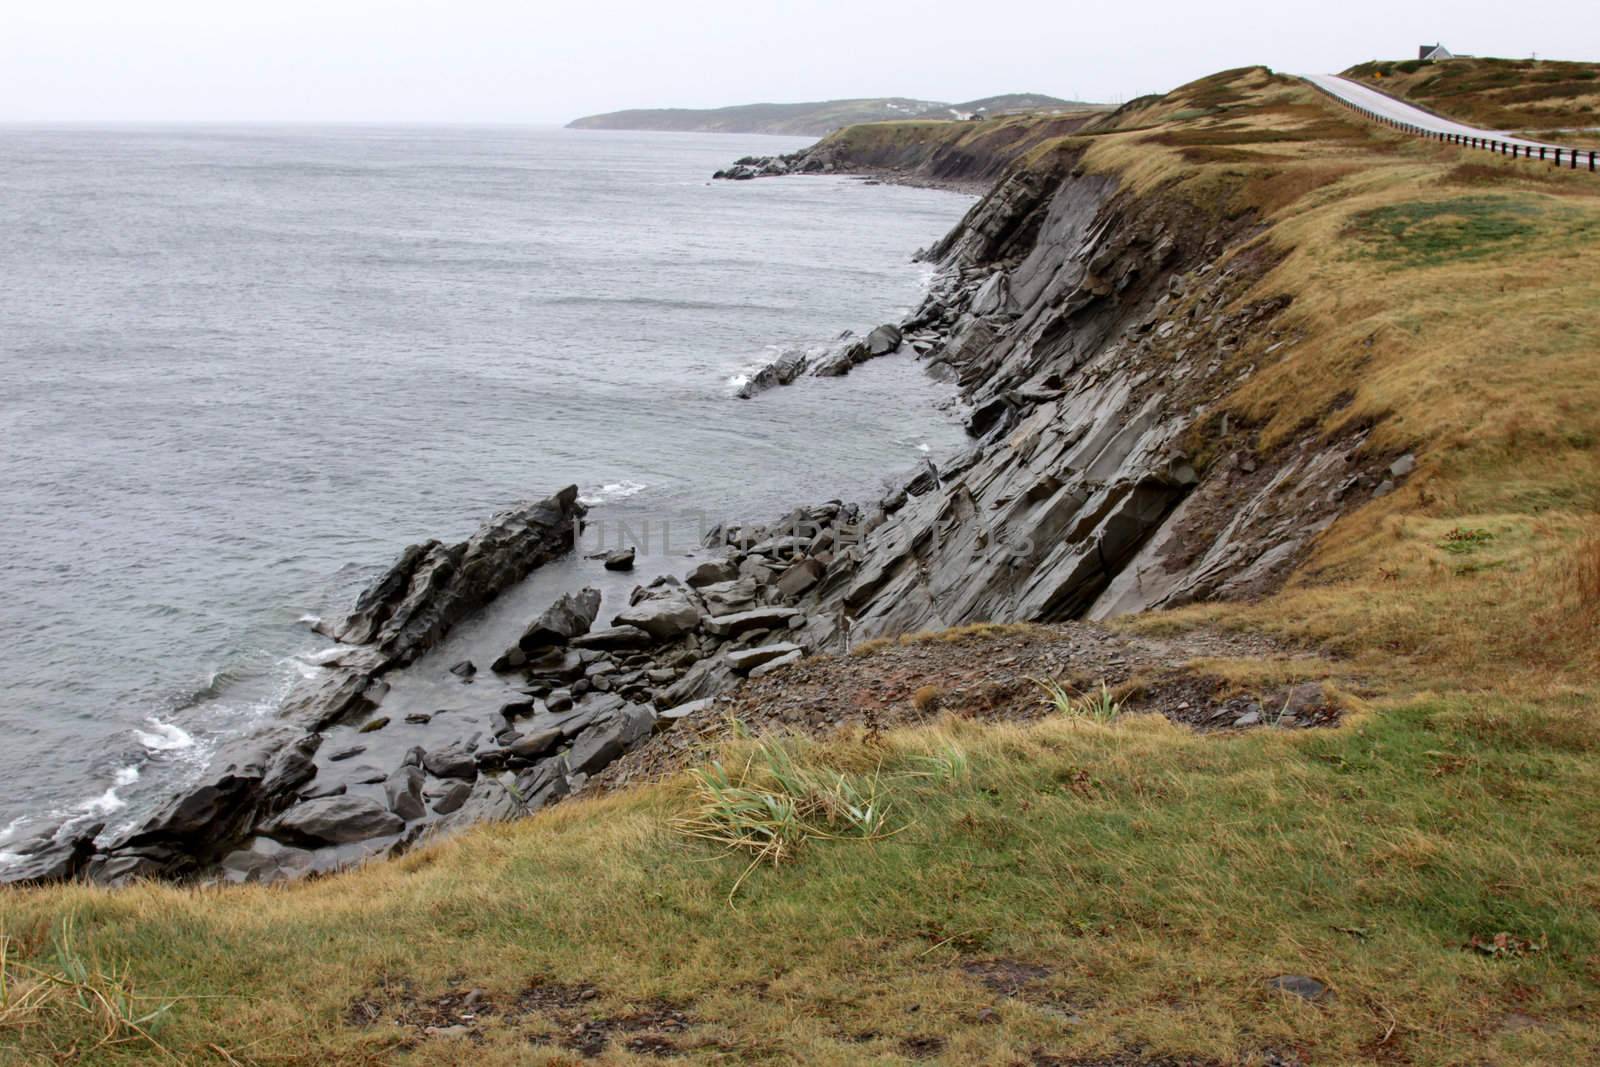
[{"x": 1418, "y": 884}]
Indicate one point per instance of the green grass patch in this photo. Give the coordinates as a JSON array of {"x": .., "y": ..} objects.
[{"x": 1425, "y": 234}]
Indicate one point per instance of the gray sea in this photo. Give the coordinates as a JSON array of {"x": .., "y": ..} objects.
[{"x": 241, "y": 368}]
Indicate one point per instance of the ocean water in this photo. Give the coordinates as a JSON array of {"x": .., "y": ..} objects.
[{"x": 242, "y": 368}]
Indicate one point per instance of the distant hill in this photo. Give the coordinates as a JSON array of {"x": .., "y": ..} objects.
[{"x": 814, "y": 118}]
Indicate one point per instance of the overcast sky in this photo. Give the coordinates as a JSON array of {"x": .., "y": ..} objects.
[{"x": 535, "y": 61}]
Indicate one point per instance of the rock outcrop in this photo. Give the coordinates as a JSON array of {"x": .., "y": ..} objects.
[{"x": 434, "y": 586}]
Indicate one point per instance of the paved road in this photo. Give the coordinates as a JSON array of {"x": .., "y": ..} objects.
[{"x": 1387, "y": 106}]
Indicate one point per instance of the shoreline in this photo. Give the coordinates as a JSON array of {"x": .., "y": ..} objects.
[{"x": 299, "y": 756}]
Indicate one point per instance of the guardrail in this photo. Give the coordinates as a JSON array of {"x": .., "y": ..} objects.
[{"x": 1573, "y": 157}]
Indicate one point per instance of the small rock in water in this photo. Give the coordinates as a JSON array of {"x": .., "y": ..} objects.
[
  {"x": 419, "y": 718},
  {"x": 374, "y": 725},
  {"x": 465, "y": 669},
  {"x": 620, "y": 561},
  {"x": 346, "y": 753}
]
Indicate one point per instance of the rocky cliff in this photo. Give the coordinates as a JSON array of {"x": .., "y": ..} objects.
[{"x": 1094, "y": 326}]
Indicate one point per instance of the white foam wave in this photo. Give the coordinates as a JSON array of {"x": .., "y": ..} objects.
[
  {"x": 163, "y": 736},
  {"x": 310, "y": 620},
  {"x": 320, "y": 657},
  {"x": 612, "y": 491},
  {"x": 104, "y": 804}
]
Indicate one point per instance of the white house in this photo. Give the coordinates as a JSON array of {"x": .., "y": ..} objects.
[{"x": 1434, "y": 52}]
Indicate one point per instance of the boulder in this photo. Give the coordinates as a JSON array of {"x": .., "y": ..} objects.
[
  {"x": 454, "y": 761},
  {"x": 746, "y": 659},
  {"x": 620, "y": 561},
  {"x": 335, "y": 821},
  {"x": 602, "y": 743},
  {"x": 712, "y": 572},
  {"x": 663, "y": 617},
  {"x": 728, "y": 598},
  {"x": 570, "y": 616},
  {"x": 465, "y": 669},
  {"x": 883, "y": 340},
  {"x": 799, "y": 578}
]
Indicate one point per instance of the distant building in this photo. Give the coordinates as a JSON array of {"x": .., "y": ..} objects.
[{"x": 1430, "y": 52}]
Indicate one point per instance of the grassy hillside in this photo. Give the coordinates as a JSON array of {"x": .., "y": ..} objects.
[
  {"x": 1086, "y": 887},
  {"x": 813, "y": 118},
  {"x": 1549, "y": 99}
]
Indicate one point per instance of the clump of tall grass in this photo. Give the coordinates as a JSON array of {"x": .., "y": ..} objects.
[
  {"x": 773, "y": 805},
  {"x": 68, "y": 991},
  {"x": 948, "y": 765},
  {"x": 1098, "y": 705}
]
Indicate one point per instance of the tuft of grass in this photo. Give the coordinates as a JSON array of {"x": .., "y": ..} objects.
[
  {"x": 80, "y": 1007},
  {"x": 1097, "y": 705},
  {"x": 773, "y": 805}
]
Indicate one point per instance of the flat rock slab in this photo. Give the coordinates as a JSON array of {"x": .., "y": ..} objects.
[
  {"x": 749, "y": 658},
  {"x": 777, "y": 664},
  {"x": 614, "y": 637},
  {"x": 683, "y": 711},
  {"x": 745, "y": 621}
]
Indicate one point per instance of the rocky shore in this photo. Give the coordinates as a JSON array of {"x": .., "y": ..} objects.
[{"x": 1091, "y": 331}]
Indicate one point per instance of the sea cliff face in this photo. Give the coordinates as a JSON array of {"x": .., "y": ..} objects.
[{"x": 1091, "y": 329}]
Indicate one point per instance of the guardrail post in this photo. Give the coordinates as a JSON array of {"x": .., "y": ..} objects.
[{"x": 1591, "y": 161}]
